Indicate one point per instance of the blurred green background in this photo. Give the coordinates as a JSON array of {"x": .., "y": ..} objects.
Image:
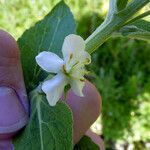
[{"x": 120, "y": 69}]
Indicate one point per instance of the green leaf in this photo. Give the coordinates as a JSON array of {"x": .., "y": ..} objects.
[
  {"x": 142, "y": 24},
  {"x": 121, "y": 4},
  {"x": 86, "y": 144},
  {"x": 140, "y": 29},
  {"x": 49, "y": 128},
  {"x": 145, "y": 14},
  {"x": 47, "y": 35}
]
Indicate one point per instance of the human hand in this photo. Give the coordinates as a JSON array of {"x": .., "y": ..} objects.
[{"x": 14, "y": 107}]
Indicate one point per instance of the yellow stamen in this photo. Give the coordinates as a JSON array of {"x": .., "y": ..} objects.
[
  {"x": 71, "y": 56},
  {"x": 75, "y": 64},
  {"x": 82, "y": 80},
  {"x": 64, "y": 70},
  {"x": 87, "y": 60}
]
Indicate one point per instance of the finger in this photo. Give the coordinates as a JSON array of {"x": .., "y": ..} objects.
[
  {"x": 10, "y": 67},
  {"x": 96, "y": 139},
  {"x": 85, "y": 109},
  {"x": 13, "y": 100},
  {"x": 6, "y": 145}
]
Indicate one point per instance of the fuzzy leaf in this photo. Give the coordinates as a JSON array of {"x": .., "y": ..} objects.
[
  {"x": 47, "y": 35},
  {"x": 49, "y": 128},
  {"x": 140, "y": 29},
  {"x": 142, "y": 24},
  {"x": 86, "y": 144}
]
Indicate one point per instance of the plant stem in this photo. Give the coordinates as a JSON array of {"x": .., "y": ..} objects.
[{"x": 113, "y": 22}]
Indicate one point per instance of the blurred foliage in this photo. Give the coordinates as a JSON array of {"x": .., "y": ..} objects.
[
  {"x": 121, "y": 72},
  {"x": 120, "y": 68},
  {"x": 18, "y": 15}
]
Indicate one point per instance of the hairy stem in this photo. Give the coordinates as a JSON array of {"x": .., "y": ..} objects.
[{"x": 113, "y": 22}]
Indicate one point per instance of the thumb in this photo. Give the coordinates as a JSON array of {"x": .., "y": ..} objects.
[
  {"x": 6, "y": 145},
  {"x": 13, "y": 99}
]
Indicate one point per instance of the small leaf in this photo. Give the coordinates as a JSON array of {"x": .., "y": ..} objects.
[
  {"x": 142, "y": 24},
  {"x": 86, "y": 144},
  {"x": 140, "y": 29},
  {"x": 145, "y": 14},
  {"x": 47, "y": 35},
  {"x": 49, "y": 128},
  {"x": 121, "y": 4}
]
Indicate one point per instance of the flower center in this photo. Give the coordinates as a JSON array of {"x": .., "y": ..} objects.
[
  {"x": 73, "y": 65},
  {"x": 64, "y": 69}
]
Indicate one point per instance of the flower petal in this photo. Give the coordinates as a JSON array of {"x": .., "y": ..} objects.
[
  {"x": 53, "y": 88},
  {"x": 49, "y": 61},
  {"x": 73, "y": 44},
  {"x": 78, "y": 72},
  {"x": 85, "y": 57},
  {"x": 77, "y": 86}
]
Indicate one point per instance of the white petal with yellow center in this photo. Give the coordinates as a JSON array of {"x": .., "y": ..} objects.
[{"x": 70, "y": 70}]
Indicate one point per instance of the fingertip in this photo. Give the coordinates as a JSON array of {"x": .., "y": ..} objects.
[
  {"x": 93, "y": 98},
  {"x": 10, "y": 67},
  {"x": 8, "y": 45},
  {"x": 12, "y": 115},
  {"x": 6, "y": 144},
  {"x": 96, "y": 139},
  {"x": 85, "y": 109}
]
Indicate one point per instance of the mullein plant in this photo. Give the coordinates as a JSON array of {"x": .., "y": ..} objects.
[{"x": 54, "y": 59}]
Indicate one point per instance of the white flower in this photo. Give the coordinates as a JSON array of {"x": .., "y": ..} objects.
[{"x": 69, "y": 70}]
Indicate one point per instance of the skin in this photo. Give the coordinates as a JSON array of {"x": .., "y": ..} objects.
[
  {"x": 85, "y": 109},
  {"x": 14, "y": 103}
]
